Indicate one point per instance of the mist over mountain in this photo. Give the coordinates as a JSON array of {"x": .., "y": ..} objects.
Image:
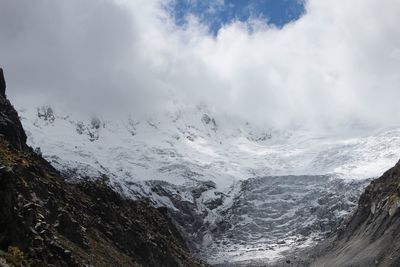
[{"x": 327, "y": 69}]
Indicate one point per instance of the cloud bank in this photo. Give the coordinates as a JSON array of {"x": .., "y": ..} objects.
[{"x": 338, "y": 64}]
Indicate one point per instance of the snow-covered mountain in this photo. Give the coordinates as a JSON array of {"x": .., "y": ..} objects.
[
  {"x": 194, "y": 144},
  {"x": 236, "y": 189}
]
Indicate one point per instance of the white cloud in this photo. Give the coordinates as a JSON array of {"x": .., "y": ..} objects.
[{"x": 337, "y": 64}]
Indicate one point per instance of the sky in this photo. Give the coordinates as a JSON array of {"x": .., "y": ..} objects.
[
  {"x": 324, "y": 64},
  {"x": 215, "y": 14}
]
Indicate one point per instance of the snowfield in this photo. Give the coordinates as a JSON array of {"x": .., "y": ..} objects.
[
  {"x": 237, "y": 190},
  {"x": 181, "y": 146}
]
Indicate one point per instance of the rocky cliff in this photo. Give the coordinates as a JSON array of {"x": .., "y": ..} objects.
[
  {"x": 370, "y": 237},
  {"x": 10, "y": 126},
  {"x": 45, "y": 221}
]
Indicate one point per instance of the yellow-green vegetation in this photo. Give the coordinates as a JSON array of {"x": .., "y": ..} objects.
[
  {"x": 10, "y": 158},
  {"x": 6, "y": 157},
  {"x": 15, "y": 257}
]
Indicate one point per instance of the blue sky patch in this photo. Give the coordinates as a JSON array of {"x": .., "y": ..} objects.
[{"x": 216, "y": 13}]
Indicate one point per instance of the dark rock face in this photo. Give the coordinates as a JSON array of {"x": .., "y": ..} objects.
[
  {"x": 189, "y": 222},
  {"x": 10, "y": 125},
  {"x": 2, "y": 84},
  {"x": 45, "y": 221},
  {"x": 370, "y": 237}
]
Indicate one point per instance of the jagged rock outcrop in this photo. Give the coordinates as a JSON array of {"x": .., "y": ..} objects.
[
  {"x": 10, "y": 125},
  {"x": 2, "y": 84},
  {"x": 45, "y": 221},
  {"x": 370, "y": 237}
]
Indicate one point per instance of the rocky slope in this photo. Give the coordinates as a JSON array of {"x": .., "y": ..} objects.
[
  {"x": 370, "y": 237},
  {"x": 45, "y": 221}
]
